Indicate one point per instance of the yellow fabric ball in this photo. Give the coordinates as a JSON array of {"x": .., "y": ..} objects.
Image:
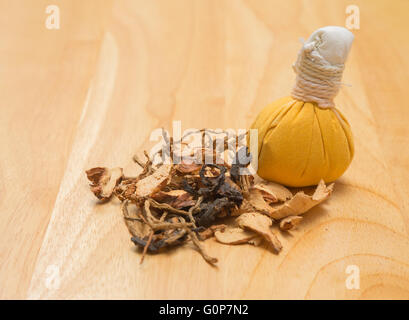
[{"x": 300, "y": 143}]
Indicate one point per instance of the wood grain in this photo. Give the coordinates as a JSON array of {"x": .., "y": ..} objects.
[{"x": 92, "y": 92}]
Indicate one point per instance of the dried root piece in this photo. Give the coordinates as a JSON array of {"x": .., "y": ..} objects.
[
  {"x": 260, "y": 224},
  {"x": 145, "y": 249},
  {"x": 136, "y": 226},
  {"x": 290, "y": 222},
  {"x": 147, "y": 168},
  {"x": 211, "y": 231},
  {"x": 104, "y": 181},
  {"x": 143, "y": 243},
  {"x": 137, "y": 159},
  {"x": 301, "y": 202},
  {"x": 200, "y": 248},
  {"x": 235, "y": 236},
  {"x": 173, "y": 238},
  {"x": 158, "y": 224}
]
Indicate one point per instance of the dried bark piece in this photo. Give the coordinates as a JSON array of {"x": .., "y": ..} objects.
[
  {"x": 129, "y": 190},
  {"x": 104, "y": 180},
  {"x": 176, "y": 198},
  {"x": 322, "y": 192},
  {"x": 302, "y": 202},
  {"x": 231, "y": 183},
  {"x": 273, "y": 192},
  {"x": 210, "y": 210},
  {"x": 260, "y": 224},
  {"x": 244, "y": 207},
  {"x": 178, "y": 181},
  {"x": 290, "y": 222},
  {"x": 167, "y": 207},
  {"x": 186, "y": 168},
  {"x": 246, "y": 182},
  {"x": 257, "y": 202},
  {"x": 256, "y": 241},
  {"x": 234, "y": 236},
  {"x": 154, "y": 182},
  {"x": 126, "y": 189}
]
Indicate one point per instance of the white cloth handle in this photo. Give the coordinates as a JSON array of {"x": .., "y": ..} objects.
[{"x": 320, "y": 65}]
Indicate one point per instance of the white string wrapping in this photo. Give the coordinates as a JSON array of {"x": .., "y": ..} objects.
[{"x": 317, "y": 80}]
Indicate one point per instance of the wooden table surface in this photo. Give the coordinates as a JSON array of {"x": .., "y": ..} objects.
[{"x": 91, "y": 92}]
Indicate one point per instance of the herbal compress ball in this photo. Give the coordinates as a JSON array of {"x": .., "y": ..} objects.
[{"x": 304, "y": 138}]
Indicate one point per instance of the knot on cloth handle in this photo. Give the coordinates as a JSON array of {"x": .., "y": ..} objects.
[{"x": 320, "y": 65}]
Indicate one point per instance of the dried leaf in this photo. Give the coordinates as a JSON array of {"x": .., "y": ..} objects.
[
  {"x": 273, "y": 192},
  {"x": 302, "y": 202},
  {"x": 234, "y": 236},
  {"x": 104, "y": 181},
  {"x": 260, "y": 224},
  {"x": 154, "y": 182},
  {"x": 290, "y": 222}
]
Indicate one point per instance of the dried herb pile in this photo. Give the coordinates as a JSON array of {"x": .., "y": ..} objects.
[{"x": 168, "y": 205}]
